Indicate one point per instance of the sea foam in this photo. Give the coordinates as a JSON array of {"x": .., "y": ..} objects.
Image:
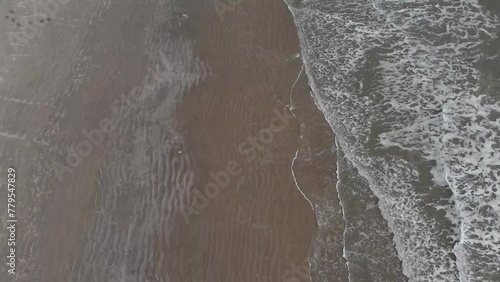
[{"x": 409, "y": 90}]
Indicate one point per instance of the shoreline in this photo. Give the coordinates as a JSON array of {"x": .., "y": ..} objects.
[
  {"x": 315, "y": 170},
  {"x": 200, "y": 187},
  {"x": 259, "y": 224}
]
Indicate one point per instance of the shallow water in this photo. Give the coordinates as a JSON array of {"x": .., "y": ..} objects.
[
  {"x": 116, "y": 112},
  {"x": 94, "y": 200},
  {"x": 409, "y": 89}
]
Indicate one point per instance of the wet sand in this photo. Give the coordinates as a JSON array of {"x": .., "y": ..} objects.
[
  {"x": 131, "y": 210},
  {"x": 62, "y": 82},
  {"x": 315, "y": 170},
  {"x": 259, "y": 227}
]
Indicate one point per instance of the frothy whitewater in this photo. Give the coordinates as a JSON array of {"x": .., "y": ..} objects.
[{"x": 411, "y": 90}]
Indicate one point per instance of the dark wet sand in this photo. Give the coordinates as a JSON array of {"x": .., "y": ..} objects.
[
  {"x": 56, "y": 216},
  {"x": 117, "y": 216},
  {"x": 315, "y": 171},
  {"x": 259, "y": 227}
]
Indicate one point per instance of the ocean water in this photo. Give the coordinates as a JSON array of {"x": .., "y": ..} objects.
[{"x": 411, "y": 91}]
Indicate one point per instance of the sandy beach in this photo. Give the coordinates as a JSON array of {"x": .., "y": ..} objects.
[
  {"x": 249, "y": 141},
  {"x": 259, "y": 227},
  {"x": 194, "y": 181}
]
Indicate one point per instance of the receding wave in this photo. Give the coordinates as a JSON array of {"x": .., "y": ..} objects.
[{"x": 409, "y": 88}]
